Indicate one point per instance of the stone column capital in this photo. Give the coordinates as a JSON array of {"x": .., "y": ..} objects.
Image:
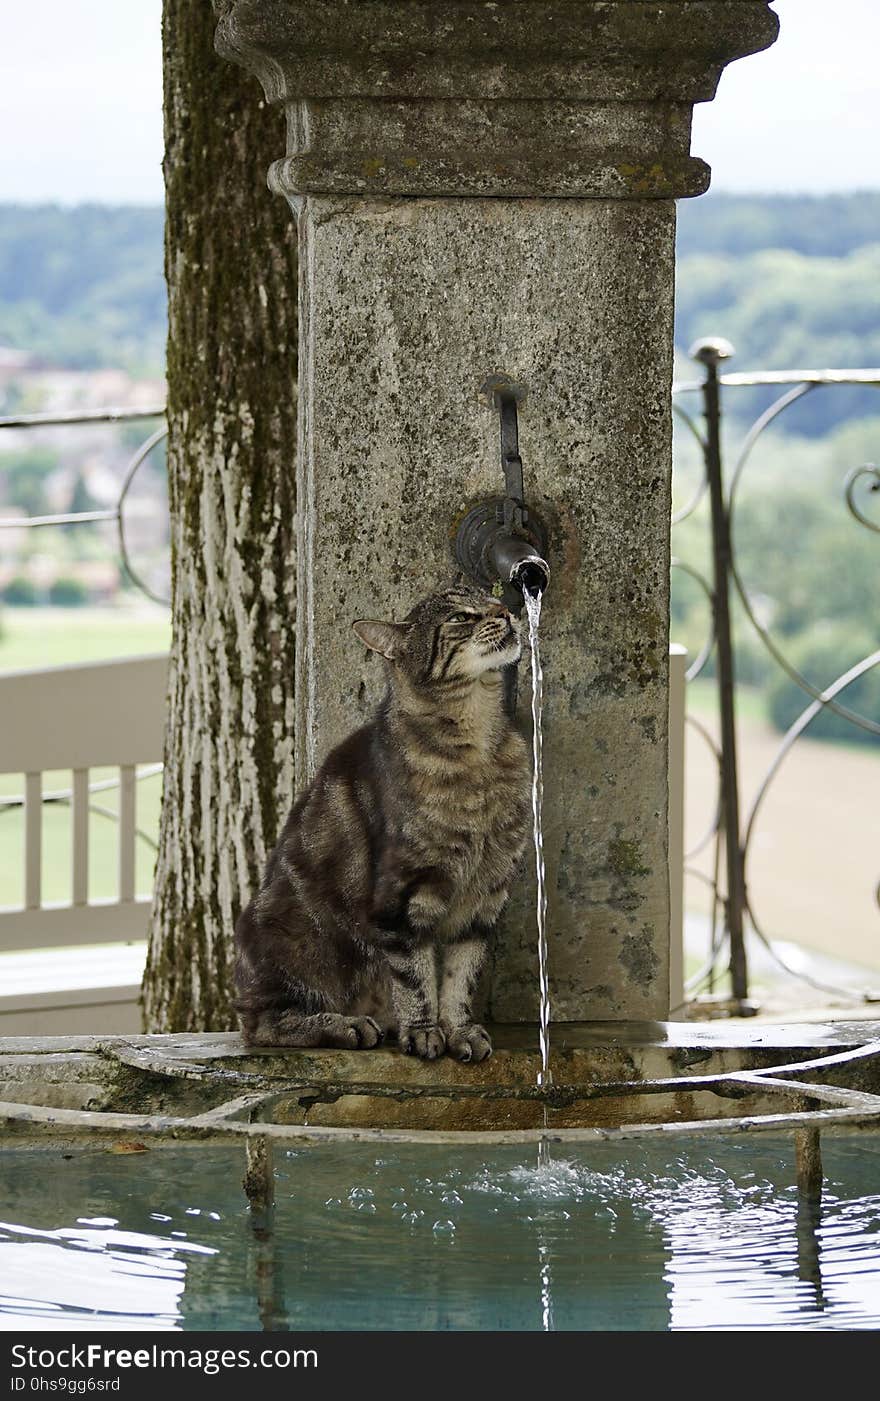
[{"x": 578, "y": 98}]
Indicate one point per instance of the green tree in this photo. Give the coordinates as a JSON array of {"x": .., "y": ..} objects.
[
  {"x": 23, "y": 479},
  {"x": 821, "y": 656},
  {"x": 81, "y": 499},
  {"x": 68, "y": 592},
  {"x": 21, "y": 592}
]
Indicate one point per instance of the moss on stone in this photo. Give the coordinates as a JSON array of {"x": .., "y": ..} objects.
[{"x": 625, "y": 859}]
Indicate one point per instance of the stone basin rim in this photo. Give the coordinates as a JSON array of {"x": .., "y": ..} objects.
[
  {"x": 251, "y": 1105},
  {"x": 70, "y": 1124},
  {"x": 833, "y": 1107}
]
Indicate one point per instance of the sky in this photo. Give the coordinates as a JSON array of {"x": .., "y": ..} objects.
[{"x": 81, "y": 95}]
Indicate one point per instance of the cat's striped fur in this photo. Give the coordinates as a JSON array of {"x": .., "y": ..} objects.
[{"x": 393, "y": 866}]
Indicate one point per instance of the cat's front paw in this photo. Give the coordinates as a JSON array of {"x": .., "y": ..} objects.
[
  {"x": 468, "y": 1043},
  {"x": 352, "y": 1033},
  {"x": 427, "y": 1042}
]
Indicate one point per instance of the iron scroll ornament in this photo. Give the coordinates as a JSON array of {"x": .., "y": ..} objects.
[{"x": 795, "y": 386}]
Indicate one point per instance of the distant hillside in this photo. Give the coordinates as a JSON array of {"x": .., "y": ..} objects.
[
  {"x": 827, "y": 226},
  {"x": 783, "y": 310},
  {"x": 791, "y": 280},
  {"x": 794, "y": 282},
  {"x": 83, "y": 287}
]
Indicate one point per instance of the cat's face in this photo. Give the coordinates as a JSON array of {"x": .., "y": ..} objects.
[{"x": 454, "y": 635}]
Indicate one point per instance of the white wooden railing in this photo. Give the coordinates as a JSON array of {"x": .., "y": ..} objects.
[{"x": 76, "y": 718}]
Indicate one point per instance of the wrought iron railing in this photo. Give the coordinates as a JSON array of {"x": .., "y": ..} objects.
[
  {"x": 732, "y": 905},
  {"x": 115, "y": 513}
]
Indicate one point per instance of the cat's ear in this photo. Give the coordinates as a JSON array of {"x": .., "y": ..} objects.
[{"x": 384, "y": 638}]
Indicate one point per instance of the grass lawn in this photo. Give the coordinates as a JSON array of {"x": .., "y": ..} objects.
[
  {"x": 38, "y": 637},
  {"x": 703, "y": 700}
]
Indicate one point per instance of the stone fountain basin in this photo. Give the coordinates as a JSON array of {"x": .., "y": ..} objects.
[{"x": 609, "y": 1077}]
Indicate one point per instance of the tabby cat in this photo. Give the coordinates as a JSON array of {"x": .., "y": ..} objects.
[{"x": 375, "y": 912}]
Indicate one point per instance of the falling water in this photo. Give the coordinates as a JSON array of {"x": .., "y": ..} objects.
[
  {"x": 547, "y": 1323},
  {"x": 533, "y": 612},
  {"x": 545, "y": 1079}
]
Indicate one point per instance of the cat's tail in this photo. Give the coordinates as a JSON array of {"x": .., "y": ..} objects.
[{"x": 259, "y": 1006}]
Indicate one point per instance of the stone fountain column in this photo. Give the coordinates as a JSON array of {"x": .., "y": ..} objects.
[{"x": 486, "y": 188}]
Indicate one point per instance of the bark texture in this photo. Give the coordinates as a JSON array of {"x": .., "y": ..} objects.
[{"x": 230, "y": 260}]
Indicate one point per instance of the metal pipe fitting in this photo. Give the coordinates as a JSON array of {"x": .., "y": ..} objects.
[{"x": 500, "y": 542}]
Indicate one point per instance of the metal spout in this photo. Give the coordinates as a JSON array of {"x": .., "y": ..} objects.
[
  {"x": 493, "y": 553},
  {"x": 518, "y": 564},
  {"x": 500, "y": 542}
]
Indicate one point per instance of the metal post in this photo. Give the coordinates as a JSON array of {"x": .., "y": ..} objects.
[
  {"x": 808, "y": 1160},
  {"x": 259, "y": 1177},
  {"x": 711, "y": 353}
]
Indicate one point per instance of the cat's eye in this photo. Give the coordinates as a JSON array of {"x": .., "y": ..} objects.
[{"x": 460, "y": 618}]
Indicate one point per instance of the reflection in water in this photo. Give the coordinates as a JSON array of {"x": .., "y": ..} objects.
[
  {"x": 64, "y": 1279},
  {"x": 267, "y": 1271},
  {"x": 265, "y": 1265},
  {"x": 445, "y": 1237},
  {"x": 809, "y": 1262}
]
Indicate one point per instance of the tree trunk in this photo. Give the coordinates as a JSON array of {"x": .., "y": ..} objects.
[{"x": 230, "y": 263}]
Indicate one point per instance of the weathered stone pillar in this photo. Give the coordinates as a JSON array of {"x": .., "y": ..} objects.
[{"x": 490, "y": 188}]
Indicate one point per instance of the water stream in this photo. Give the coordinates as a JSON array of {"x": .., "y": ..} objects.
[{"x": 545, "y": 1079}]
